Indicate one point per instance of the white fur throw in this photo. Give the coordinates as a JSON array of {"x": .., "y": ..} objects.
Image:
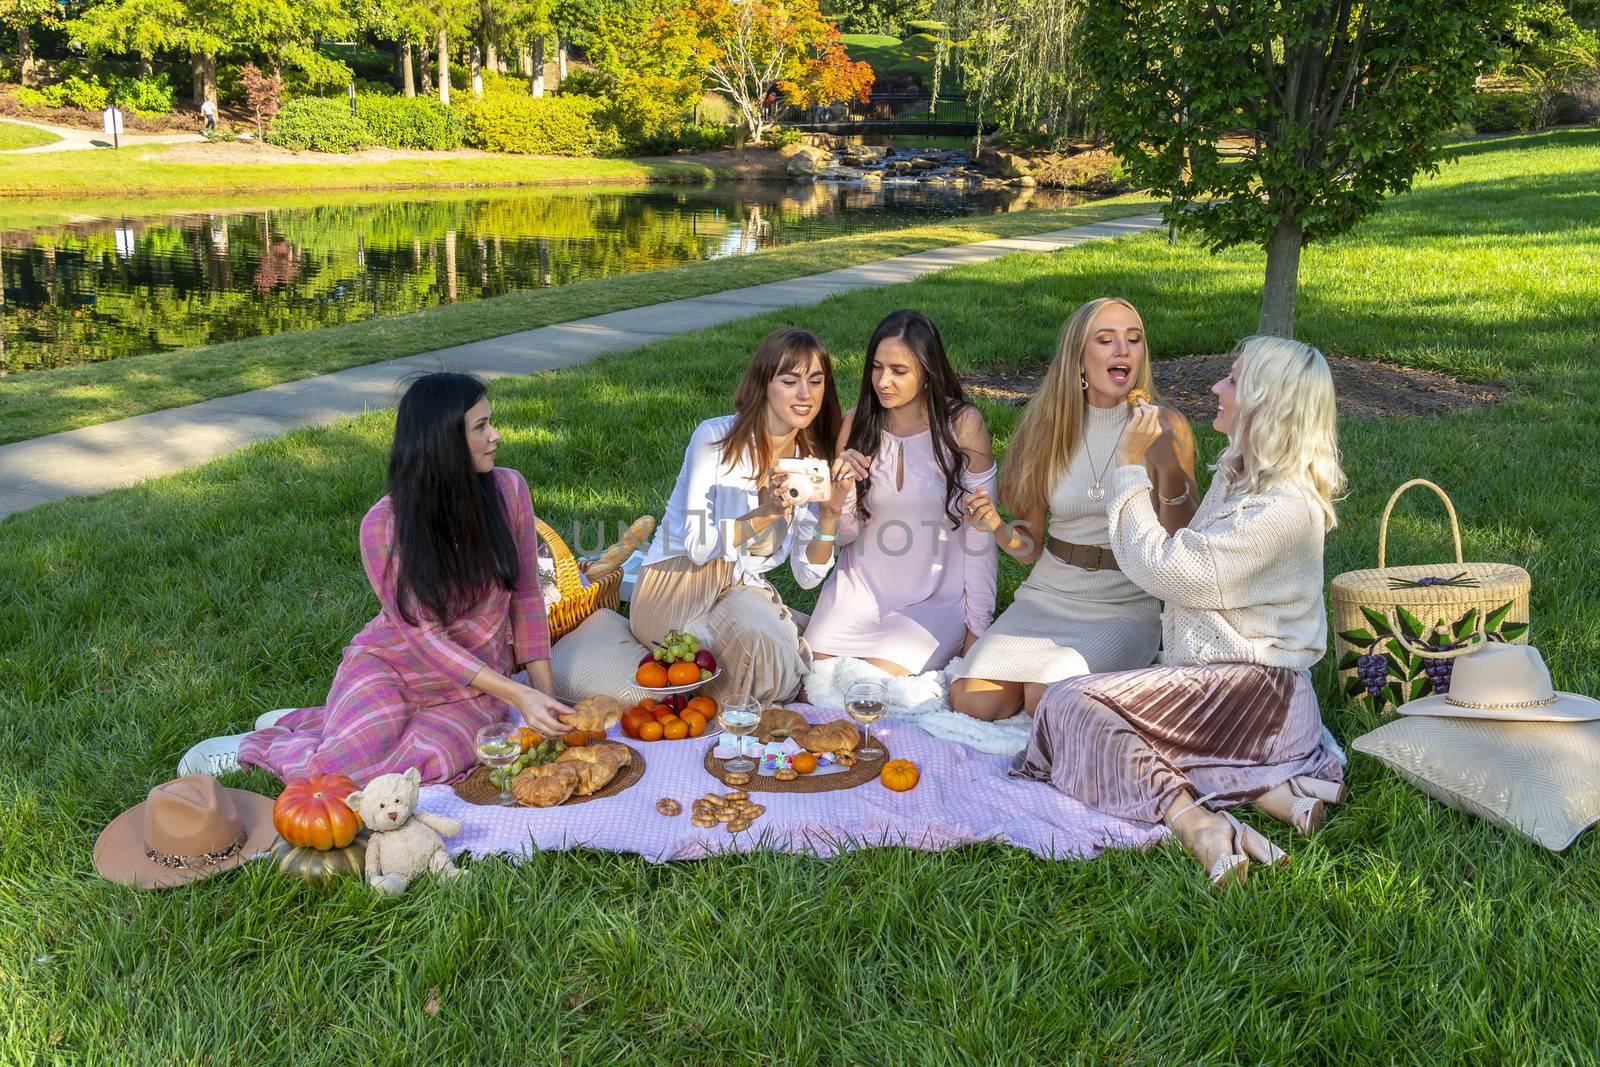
[{"x": 922, "y": 699}]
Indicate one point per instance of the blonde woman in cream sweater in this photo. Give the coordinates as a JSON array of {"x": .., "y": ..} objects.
[{"x": 1229, "y": 715}]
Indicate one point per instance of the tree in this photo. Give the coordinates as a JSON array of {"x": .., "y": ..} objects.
[
  {"x": 262, "y": 92},
  {"x": 21, "y": 16},
  {"x": 751, "y": 48},
  {"x": 876, "y": 16},
  {"x": 1282, "y": 121}
]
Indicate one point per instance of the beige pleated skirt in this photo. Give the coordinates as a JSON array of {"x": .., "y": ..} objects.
[{"x": 755, "y": 637}]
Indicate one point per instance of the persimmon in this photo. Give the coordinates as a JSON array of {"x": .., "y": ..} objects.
[
  {"x": 803, "y": 762},
  {"x": 652, "y": 676},
  {"x": 683, "y": 674},
  {"x": 650, "y": 731},
  {"x": 675, "y": 730},
  {"x": 705, "y": 706}
]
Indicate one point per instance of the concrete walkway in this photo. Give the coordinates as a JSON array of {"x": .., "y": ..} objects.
[
  {"x": 76, "y": 139},
  {"x": 115, "y": 454}
]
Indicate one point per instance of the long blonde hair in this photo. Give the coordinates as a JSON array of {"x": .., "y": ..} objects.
[
  {"x": 1052, "y": 423},
  {"x": 1284, "y": 430}
]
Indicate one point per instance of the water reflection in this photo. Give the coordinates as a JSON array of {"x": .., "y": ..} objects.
[{"x": 107, "y": 288}]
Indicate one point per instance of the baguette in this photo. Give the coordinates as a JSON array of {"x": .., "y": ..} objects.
[{"x": 637, "y": 536}]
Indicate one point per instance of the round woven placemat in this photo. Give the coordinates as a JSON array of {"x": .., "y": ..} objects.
[
  {"x": 816, "y": 782},
  {"x": 476, "y": 788}
]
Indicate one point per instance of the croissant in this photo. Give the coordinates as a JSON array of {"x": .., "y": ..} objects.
[
  {"x": 840, "y": 735},
  {"x": 595, "y": 714},
  {"x": 545, "y": 786},
  {"x": 777, "y": 723},
  {"x": 595, "y": 769}
]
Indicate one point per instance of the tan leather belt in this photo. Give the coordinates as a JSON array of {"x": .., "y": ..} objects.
[{"x": 1089, "y": 557}]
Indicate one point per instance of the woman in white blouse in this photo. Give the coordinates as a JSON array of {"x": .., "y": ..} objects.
[
  {"x": 730, "y": 521},
  {"x": 1229, "y": 715}
]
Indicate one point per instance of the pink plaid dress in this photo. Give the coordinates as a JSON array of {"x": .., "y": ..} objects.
[{"x": 400, "y": 697}]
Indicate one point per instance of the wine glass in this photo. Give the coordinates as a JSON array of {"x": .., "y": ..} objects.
[
  {"x": 864, "y": 703},
  {"x": 498, "y": 747},
  {"x": 739, "y": 719}
]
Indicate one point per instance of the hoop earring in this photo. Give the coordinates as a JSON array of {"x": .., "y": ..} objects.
[{"x": 1083, "y": 381}]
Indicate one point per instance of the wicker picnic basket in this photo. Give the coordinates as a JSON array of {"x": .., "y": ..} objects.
[
  {"x": 578, "y": 601},
  {"x": 1436, "y": 606}
]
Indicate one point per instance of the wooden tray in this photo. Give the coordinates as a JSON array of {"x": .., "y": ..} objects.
[
  {"x": 476, "y": 788},
  {"x": 816, "y": 782}
]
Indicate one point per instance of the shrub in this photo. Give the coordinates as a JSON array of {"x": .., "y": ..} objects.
[
  {"x": 321, "y": 125},
  {"x": 76, "y": 91},
  {"x": 526, "y": 125},
  {"x": 410, "y": 122},
  {"x": 929, "y": 26},
  {"x": 685, "y": 137},
  {"x": 778, "y": 137},
  {"x": 1502, "y": 112},
  {"x": 153, "y": 95}
]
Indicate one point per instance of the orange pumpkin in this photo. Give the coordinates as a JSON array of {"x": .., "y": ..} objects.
[
  {"x": 899, "y": 775},
  {"x": 311, "y": 812},
  {"x": 803, "y": 762}
]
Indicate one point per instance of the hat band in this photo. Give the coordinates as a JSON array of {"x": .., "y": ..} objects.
[
  {"x": 203, "y": 859},
  {"x": 1524, "y": 705}
]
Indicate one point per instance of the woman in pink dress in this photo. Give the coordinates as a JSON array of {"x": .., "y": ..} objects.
[
  {"x": 915, "y": 584},
  {"x": 450, "y": 553}
]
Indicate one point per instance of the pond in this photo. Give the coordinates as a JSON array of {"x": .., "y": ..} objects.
[{"x": 109, "y": 287}]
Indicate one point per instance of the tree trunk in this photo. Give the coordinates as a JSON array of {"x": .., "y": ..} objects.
[
  {"x": 25, "y": 62},
  {"x": 424, "y": 73},
  {"x": 408, "y": 77},
  {"x": 1283, "y": 276},
  {"x": 536, "y": 66},
  {"x": 491, "y": 57},
  {"x": 208, "y": 75},
  {"x": 147, "y": 65},
  {"x": 476, "y": 65},
  {"x": 444, "y": 68},
  {"x": 197, "y": 68},
  {"x": 561, "y": 60}
]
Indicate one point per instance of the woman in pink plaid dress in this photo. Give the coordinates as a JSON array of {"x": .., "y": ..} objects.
[{"x": 454, "y": 539}]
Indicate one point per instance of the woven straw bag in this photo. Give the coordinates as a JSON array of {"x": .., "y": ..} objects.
[
  {"x": 578, "y": 601},
  {"x": 1436, "y": 606}
]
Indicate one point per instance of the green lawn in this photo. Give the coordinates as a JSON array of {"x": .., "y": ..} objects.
[
  {"x": 127, "y": 172},
  {"x": 14, "y": 135},
  {"x": 41, "y": 402},
  {"x": 1406, "y": 933}
]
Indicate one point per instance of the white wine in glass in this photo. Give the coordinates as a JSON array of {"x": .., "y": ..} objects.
[
  {"x": 739, "y": 718},
  {"x": 498, "y": 747},
  {"x": 864, "y": 702}
]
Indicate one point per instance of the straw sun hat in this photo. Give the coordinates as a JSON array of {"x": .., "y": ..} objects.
[
  {"x": 1506, "y": 682},
  {"x": 185, "y": 830}
]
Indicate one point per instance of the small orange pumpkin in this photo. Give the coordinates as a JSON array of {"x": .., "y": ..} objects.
[
  {"x": 311, "y": 812},
  {"x": 899, "y": 775}
]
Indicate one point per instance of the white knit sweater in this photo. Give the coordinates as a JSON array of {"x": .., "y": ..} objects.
[{"x": 1242, "y": 583}]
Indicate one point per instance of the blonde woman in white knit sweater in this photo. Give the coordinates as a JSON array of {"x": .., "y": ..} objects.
[{"x": 1229, "y": 715}]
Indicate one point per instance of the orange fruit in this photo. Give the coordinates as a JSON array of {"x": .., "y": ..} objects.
[
  {"x": 692, "y": 716},
  {"x": 527, "y": 737},
  {"x": 649, "y": 702},
  {"x": 634, "y": 718},
  {"x": 803, "y": 762},
  {"x": 682, "y": 674},
  {"x": 705, "y": 706},
  {"x": 675, "y": 730},
  {"x": 697, "y": 726},
  {"x": 652, "y": 675},
  {"x": 650, "y": 731}
]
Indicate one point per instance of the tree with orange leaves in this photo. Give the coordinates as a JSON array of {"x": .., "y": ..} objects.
[{"x": 753, "y": 48}]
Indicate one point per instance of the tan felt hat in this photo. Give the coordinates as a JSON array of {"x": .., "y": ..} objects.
[
  {"x": 1507, "y": 682},
  {"x": 185, "y": 830}
]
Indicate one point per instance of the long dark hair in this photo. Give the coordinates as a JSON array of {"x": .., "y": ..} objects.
[
  {"x": 786, "y": 349},
  {"x": 451, "y": 533},
  {"x": 944, "y": 397}
]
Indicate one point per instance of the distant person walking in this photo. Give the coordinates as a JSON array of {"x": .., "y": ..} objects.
[{"x": 208, "y": 109}]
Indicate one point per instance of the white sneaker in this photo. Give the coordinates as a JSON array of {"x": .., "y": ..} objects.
[
  {"x": 270, "y": 718},
  {"x": 214, "y": 755}
]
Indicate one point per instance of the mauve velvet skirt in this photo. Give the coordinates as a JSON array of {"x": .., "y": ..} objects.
[{"x": 1128, "y": 742}]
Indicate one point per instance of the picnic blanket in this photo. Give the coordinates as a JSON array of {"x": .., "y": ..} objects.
[{"x": 964, "y": 797}]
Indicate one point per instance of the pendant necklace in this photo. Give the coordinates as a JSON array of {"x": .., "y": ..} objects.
[{"x": 1097, "y": 491}]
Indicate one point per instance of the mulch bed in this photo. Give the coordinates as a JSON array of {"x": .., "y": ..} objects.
[{"x": 1366, "y": 389}]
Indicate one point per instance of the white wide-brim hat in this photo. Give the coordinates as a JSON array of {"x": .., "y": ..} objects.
[{"x": 1505, "y": 682}]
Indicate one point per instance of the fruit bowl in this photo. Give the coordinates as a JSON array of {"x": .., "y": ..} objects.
[{"x": 673, "y": 690}]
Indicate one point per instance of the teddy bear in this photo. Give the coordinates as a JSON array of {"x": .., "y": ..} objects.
[{"x": 404, "y": 842}]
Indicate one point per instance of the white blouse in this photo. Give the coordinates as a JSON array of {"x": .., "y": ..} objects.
[{"x": 709, "y": 497}]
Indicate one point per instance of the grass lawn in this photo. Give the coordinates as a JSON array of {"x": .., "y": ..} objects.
[
  {"x": 1405, "y": 933},
  {"x": 41, "y": 402},
  {"x": 14, "y": 135},
  {"x": 127, "y": 172}
]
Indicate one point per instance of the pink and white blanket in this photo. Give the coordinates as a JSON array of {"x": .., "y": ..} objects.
[{"x": 964, "y": 798}]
